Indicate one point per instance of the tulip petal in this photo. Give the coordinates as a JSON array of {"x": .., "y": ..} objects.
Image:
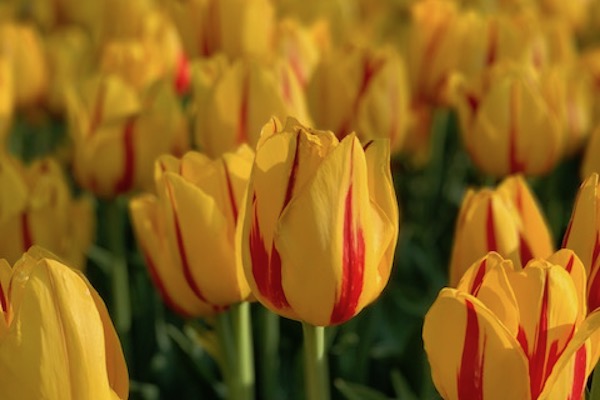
[
  {"x": 567, "y": 259},
  {"x": 164, "y": 270},
  {"x": 474, "y": 356},
  {"x": 67, "y": 347}
]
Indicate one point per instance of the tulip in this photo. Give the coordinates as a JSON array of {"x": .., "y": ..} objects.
[
  {"x": 7, "y": 104},
  {"x": 233, "y": 101},
  {"x": 321, "y": 223},
  {"x": 37, "y": 208},
  {"x": 187, "y": 232},
  {"x": 56, "y": 337},
  {"x": 506, "y": 220},
  {"x": 507, "y": 125},
  {"x": 583, "y": 235},
  {"x": 22, "y": 45},
  {"x": 512, "y": 333},
  {"x": 361, "y": 90},
  {"x": 118, "y": 134}
]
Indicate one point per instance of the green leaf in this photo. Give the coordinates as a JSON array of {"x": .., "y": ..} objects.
[
  {"x": 353, "y": 391},
  {"x": 403, "y": 391}
]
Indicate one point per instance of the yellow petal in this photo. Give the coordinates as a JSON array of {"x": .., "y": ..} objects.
[
  {"x": 567, "y": 259},
  {"x": 164, "y": 269},
  {"x": 57, "y": 329},
  {"x": 474, "y": 356}
]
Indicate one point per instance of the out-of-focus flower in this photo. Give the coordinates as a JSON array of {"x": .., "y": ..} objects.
[
  {"x": 23, "y": 47},
  {"x": 155, "y": 53},
  {"x": 118, "y": 133},
  {"x": 507, "y": 125},
  {"x": 506, "y": 220},
  {"x": 233, "y": 101},
  {"x": 362, "y": 90},
  {"x": 69, "y": 54},
  {"x": 37, "y": 208},
  {"x": 301, "y": 46},
  {"x": 514, "y": 333},
  {"x": 591, "y": 163},
  {"x": 566, "y": 89},
  {"x": 7, "y": 103},
  {"x": 583, "y": 235},
  {"x": 575, "y": 12},
  {"x": 56, "y": 337},
  {"x": 590, "y": 60},
  {"x": 236, "y": 27},
  {"x": 321, "y": 223},
  {"x": 187, "y": 233}
]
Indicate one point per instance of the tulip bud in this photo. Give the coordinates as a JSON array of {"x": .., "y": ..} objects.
[
  {"x": 56, "y": 336},
  {"x": 514, "y": 333},
  {"x": 37, "y": 208},
  {"x": 506, "y": 220},
  {"x": 118, "y": 134},
  {"x": 187, "y": 233},
  {"x": 321, "y": 223},
  {"x": 583, "y": 235},
  {"x": 361, "y": 90},
  {"x": 22, "y": 45},
  {"x": 232, "y": 102},
  {"x": 508, "y": 126}
]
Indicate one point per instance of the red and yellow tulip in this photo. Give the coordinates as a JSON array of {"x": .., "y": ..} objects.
[
  {"x": 321, "y": 223},
  {"x": 187, "y": 232},
  {"x": 506, "y": 220},
  {"x": 512, "y": 333}
]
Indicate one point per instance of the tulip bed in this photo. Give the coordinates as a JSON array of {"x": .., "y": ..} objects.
[{"x": 271, "y": 199}]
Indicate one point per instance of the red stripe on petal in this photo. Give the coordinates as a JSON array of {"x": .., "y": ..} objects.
[
  {"x": 3, "y": 299},
  {"x": 26, "y": 232},
  {"x": 594, "y": 292},
  {"x": 525, "y": 252},
  {"x": 481, "y": 270},
  {"x": 242, "y": 128},
  {"x": 469, "y": 380},
  {"x": 353, "y": 261},
  {"x": 230, "y": 193},
  {"x": 579, "y": 374},
  {"x": 567, "y": 234},
  {"x": 182, "y": 74},
  {"x": 490, "y": 228},
  {"x": 162, "y": 290},
  {"x": 570, "y": 263},
  {"x": 266, "y": 268},
  {"x": 126, "y": 182},
  {"x": 514, "y": 163}
]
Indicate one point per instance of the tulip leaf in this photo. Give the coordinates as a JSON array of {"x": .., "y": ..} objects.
[
  {"x": 401, "y": 387},
  {"x": 353, "y": 391}
]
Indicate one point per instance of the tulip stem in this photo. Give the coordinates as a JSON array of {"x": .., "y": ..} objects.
[
  {"x": 235, "y": 334},
  {"x": 316, "y": 370},
  {"x": 268, "y": 363},
  {"x": 595, "y": 391}
]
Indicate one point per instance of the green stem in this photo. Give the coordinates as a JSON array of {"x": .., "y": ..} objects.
[
  {"x": 269, "y": 351},
  {"x": 235, "y": 334},
  {"x": 316, "y": 371},
  {"x": 119, "y": 271},
  {"x": 595, "y": 392}
]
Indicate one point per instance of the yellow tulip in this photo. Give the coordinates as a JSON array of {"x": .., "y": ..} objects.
[
  {"x": 506, "y": 220},
  {"x": 118, "y": 133},
  {"x": 37, "y": 208},
  {"x": 56, "y": 337},
  {"x": 187, "y": 233},
  {"x": 22, "y": 45},
  {"x": 362, "y": 90},
  {"x": 233, "y": 101},
  {"x": 583, "y": 235},
  {"x": 321, "y": 223},
  {"x": 507, "y": 125},
  {"x": 7, "y": 103},
  {"x": 512, "y": 333}
]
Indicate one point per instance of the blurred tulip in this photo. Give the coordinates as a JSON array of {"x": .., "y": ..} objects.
[
  {"x": 233, "y": 101},
  {"x": 514, "y": 333},
  {"x": 575, "y": 12},
  {"x": 583, "y": 235},
  {"x": 187, "y": 233},
  {"x": 56, "y": 337},
  {"x": 506, "y": 220},
  {"x": 508, "y": 126},
  {"x": 7, "y": 103},
  {"x": 155, "y": 53},
  {"x": 590, "y": 60},
  {"x": 321, "y": 223},
  {"x": 23, "y": 47},
  {"x": 70, "y": 61},
  {"x": 362, "y": 90},
  {"x": 118, "y": 133},
  {"x": 37, "y": 208}
]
